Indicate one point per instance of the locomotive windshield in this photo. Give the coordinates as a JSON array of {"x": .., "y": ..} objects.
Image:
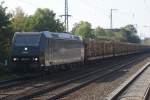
[{"x": 27, "y": 40}]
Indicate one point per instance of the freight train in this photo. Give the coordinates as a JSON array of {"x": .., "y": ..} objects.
[{"x": 44, "y": 50}]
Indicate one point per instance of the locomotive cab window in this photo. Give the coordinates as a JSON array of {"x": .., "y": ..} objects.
[{"x": 27, "y": 40}]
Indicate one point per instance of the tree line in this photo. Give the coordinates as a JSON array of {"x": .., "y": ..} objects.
[
  {"x": 45, "y": 20},
  {"x": 124, "y": 34}
]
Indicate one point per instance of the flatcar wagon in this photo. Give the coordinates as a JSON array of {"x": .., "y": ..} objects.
[{"x": 96, "y": 49}]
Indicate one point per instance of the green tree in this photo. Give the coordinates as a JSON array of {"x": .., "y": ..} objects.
[
  {"x": 118, "y": 36},
  {"x": 99, "y": 32},
  {"x": 41, "y": 20},
  {"x": 4, "y": 31},
  {"x": 44, "y": 20},
  {"x": 130, "y": 34},
  {"x": 4, "y": 17},
  {"x": 29, "y": 24},
  {"x": 131, "y": 29},
  {"x": 19, "y": 20},
  {"x": 102, "y": 34},
  {"x": 83, "y": 29}
]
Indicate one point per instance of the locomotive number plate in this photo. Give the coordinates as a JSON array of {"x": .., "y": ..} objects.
[{"x": 25, "y": 59}]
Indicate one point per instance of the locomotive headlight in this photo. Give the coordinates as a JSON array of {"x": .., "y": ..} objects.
[
  {"x": 25, "y": 48},
  {"x": 36, "y": 59},
  {"x": 15, "y": 59}
]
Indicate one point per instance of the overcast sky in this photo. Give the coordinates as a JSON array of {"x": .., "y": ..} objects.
[{"x": 97, "y": 12}]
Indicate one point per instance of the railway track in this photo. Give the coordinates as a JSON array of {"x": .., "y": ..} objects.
[
  {"x": 11, "y": 94},
  {"x": 78, "y": 83},
  {"x": 26, "y": 79},
  {"x": 58, "y": 90},
  {"x": 17, "y": 81},
  {"x": 137, "y": 87}
]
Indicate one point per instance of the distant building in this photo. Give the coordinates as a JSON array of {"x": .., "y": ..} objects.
[{"x": 112, "y": 30}]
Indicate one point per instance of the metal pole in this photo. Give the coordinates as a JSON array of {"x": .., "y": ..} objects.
[
  {"x": 66, "y": 15},
  {"x": 67, "y": 27},
  {"x": 111, "y": 18}
]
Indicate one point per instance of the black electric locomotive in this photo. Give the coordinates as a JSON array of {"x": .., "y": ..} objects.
[{"x": 42, "y": 50}]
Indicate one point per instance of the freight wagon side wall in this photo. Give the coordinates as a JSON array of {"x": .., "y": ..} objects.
[
  {"x": 108, "y": 49},
  {"x": 93, "y": 49},
  {"x": 96, "y": 49}
]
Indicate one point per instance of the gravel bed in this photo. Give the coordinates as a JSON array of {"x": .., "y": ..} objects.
[
  {"x": 99, "y": 89},
  {"x": 54, "y": 78}
]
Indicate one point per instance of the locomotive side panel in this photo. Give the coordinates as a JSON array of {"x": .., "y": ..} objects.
[{"x": 66, "y": 51}]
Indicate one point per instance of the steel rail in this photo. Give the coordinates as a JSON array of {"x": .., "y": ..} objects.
[{"x": 74, "y": 88}]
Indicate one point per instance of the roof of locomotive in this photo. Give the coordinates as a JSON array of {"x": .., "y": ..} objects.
[
  {"x": 54, "y": 35},
  {"x": 28, "y": 33},
  {"x": 57, "y": 35}
]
